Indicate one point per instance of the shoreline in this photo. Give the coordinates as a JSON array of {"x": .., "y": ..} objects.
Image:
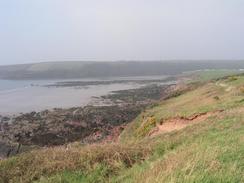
[
  {"x": 65, "y": 94},
  {"x": 88, "y": 124}
]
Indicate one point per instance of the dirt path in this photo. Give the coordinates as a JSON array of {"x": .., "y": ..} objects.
[{"x": 178, "y": 123}]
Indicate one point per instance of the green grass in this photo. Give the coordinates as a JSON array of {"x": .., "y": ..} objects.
[
  {"x": 31, "y": 166},
  {"x": 210, "y": 152},
  {"x": 200, "y": 100},
  {"x": 208, "y": 75},
  {"x": 99, "y": 174}
]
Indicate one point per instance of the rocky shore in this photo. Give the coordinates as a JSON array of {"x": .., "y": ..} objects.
[
  {"x": 88, "y": 124},
  {"x": 108, "y": 82}
]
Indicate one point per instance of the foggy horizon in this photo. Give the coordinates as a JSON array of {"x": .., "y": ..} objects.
[
  {"x": 59, "y": 30},
  {"x": 109, "y": 61}
]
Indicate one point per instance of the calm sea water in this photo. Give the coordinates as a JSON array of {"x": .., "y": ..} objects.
[{"x": 27, "y": 96}]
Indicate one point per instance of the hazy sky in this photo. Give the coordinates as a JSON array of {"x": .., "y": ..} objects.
[{"x": 52, "y": 30}]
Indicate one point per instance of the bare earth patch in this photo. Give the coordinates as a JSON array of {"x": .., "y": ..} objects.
[{"x": 178, "y": 123}]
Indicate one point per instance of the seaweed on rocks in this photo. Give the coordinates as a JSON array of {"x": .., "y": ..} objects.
[{"x": 87, "y": 124}]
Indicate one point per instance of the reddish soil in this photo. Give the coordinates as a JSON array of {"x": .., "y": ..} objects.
[
  {"x": 180, "y": 122},
  {"x": 114, "y": 134}
]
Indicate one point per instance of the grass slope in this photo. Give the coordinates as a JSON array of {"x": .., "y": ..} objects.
[{"x": 209, "y": 151}]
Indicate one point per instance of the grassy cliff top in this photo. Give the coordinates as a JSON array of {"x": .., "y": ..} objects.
[{"x": 197, "y": 135}]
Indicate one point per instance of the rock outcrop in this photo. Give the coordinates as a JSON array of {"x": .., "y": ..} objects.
[{"x": 60, "y": 126}]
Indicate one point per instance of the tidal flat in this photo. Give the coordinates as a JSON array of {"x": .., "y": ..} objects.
[{"x": 101, "y": 119}]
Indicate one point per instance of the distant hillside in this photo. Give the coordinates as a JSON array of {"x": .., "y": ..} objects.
[{"x": 69, "y": 70}]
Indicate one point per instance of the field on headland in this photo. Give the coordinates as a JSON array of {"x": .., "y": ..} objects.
[{"x": 195, "y": 134}]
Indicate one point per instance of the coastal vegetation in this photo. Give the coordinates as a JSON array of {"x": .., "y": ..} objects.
[{"x": 195, "y": 134}]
